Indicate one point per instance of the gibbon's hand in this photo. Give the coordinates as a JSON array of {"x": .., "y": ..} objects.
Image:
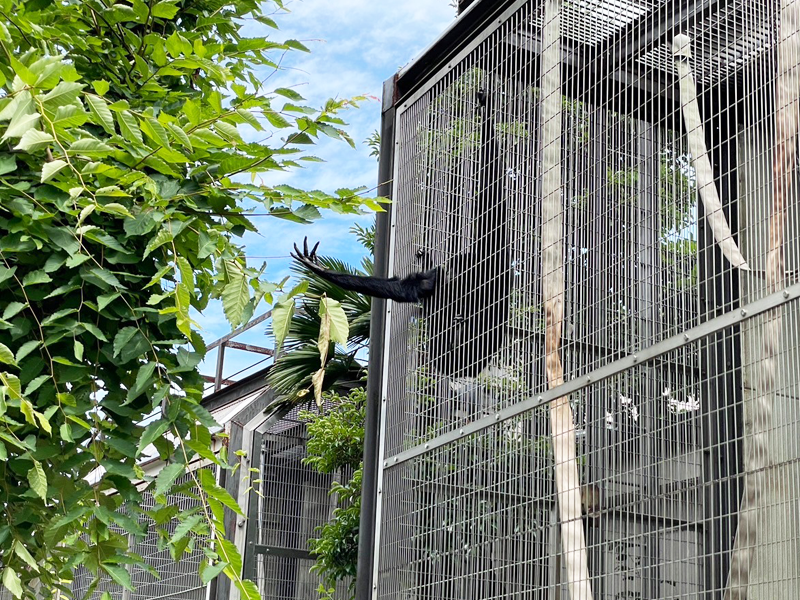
[{"x": 309, "y": 259}]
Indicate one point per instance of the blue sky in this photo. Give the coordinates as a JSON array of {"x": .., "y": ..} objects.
[{"x": 355, "y": 46}]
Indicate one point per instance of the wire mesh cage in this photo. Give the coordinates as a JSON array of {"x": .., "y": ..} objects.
[
  {"x": 601, "y": 398},
  {"x": 165, "y": 577},
  {"x": 293, "y": 501}
]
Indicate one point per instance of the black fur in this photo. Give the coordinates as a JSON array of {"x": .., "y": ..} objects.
[
  {"x": 466, "y": 317},
  {"x": 414, "y": 288}
]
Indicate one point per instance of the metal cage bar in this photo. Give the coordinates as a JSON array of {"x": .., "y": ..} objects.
[{"x": 680, "y": 359}]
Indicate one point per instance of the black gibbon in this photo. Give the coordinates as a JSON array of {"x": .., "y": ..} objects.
[{"x": 465, "y": 300}]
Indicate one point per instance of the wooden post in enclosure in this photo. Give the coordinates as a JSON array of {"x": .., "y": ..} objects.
[{"x": 573, "y": 538}]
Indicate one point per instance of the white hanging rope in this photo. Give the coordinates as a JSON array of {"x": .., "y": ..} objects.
[{"x": 715, "y": 217}]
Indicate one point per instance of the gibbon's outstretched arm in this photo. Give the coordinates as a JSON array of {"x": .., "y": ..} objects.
[{"x": 413, "y": 288}]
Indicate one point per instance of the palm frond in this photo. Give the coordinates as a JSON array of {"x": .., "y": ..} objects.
[{"x": 290, "y": 376}]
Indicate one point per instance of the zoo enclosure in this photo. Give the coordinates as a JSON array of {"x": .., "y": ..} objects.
[{"x": 643, "y": 132}]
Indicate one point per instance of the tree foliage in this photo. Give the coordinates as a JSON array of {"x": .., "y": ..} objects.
[
  {"x": 336, "y": 445},
  {"x": 126, "y": 158}
]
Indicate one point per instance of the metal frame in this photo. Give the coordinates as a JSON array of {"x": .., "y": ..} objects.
[
  {"x": 573, "y": 386},
  {"x": 718, "y": 334},
  {"x": 374, "y": 415},
  {"x": 270, "y": 490},
  {"x": 226, "y": 342}
]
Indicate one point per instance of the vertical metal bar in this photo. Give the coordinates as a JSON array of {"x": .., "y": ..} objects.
[
  {"x": 720, "y": 367},
  {"x": 220, "y": 363},
  {"x": 372, "y": 438},
  {"x": 126, "y": 593},
  {"x": 253, "y": 515}
]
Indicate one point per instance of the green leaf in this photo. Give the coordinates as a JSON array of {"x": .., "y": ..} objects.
[
  {"x": 186, "y": 271},
  {"x": 77, "y": 260},
  {"x": 71, "y": 115},
  {"x": 154, "y": 430},
  {"x": 35, "y": 384},
  {"x": 59, "y": 314},
  {"x": 180, "y": 136},
  {"x": 21, "y": 104},
  {"x": 89, "y": 147},
  {"x": 282, "y": 315},
  {"x": 36, "y": 277},
  {"x": 165, "y": 9},
  {"x": 6, "y": 356},
  {"x": 167, "y": 476},
  {"x": 6, "y": 273},
  {"x": 206, "y": 245},
  {"x": 277, "y": 120},
  {"x": 184, "y": 527},
  {"x": 44, "y": 423},
  {"x": 101, "y": 87},
  {"x": 21, "y": 551},
  {"x": 208, "y": 571},
  {"x": 129, "y": 127},
  {"x": 235, "y": 293},
  {"x": 106, "y": 299},
  {"x": 144, "y": 379},
  {"x": 294, "y": 44},
  {"x": 51, "y": 168},
  {"x": 155, "y": 131},
  {"x": 289, "y": 93},
  {"x": 26, "y": 408},
  {"x": 113, "y": 208},
  {"x": 14, "y": 387},
  {"x": 108, "y": 516},
  {"x": 12, "y": 309},
  {"x": 106, "y": 277},
  {"x": 228, "y": 131},
  {"x": 64, "y": 93},
  {"x": 192, "y": 111},
  {"x": 102, "y": 114},
  {"x": 229, "y": 553},
  {"x": 33, "y": 140},
  {"x": 8, "y": 164},
  {"x": 120, "y": 575},
  {"x": 12, "y": 582},
  {"x": 168, "y": 232},
  {"x": 22, "y": 71},
  {"x": 339, "y": 328},
  {"x": 20, "y": 124},
  {"x": 203, "y": 450},
  {"x": 122, "y": 338},
  {"x": 121, "y": 13},
  {"x": 250, "y": 119},
  {"x": 182, "y": 305},
  {"x": 177, "y": 44},
  {"x": 27, "y": 348},
  {"x": 248, "y": 590},
  {"x": 38, "y": 480},
  {"x": 80, "y": 422},
  {"x": 209, "y": 485}
]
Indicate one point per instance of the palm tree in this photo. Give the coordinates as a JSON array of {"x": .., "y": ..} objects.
[{"x": 291, "y": 373}]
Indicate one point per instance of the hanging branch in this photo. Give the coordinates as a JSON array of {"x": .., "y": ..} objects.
[
  {"x": 682, "y": 52},
  {"x": 787, "y": 101},
  {"x": 562, "y": 424}
]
